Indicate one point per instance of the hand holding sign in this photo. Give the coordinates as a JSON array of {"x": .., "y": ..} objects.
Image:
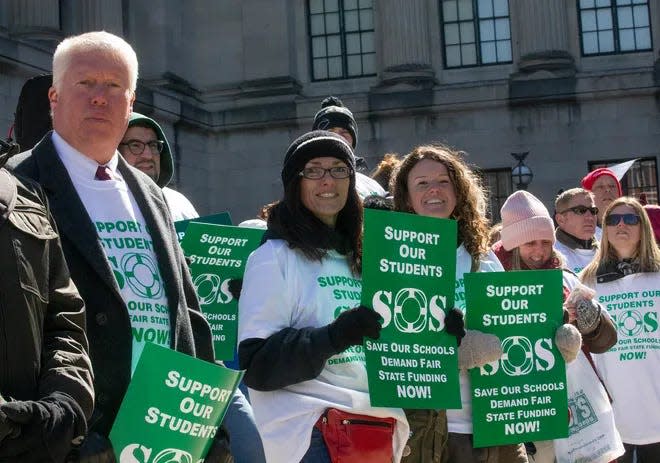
[
  {"x": 352, "y": 326},
  {"x": 408, "y": 277}
]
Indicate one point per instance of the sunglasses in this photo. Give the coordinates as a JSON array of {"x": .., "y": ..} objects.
[
  {"x": 628, "y": 219},
  {"x": 581, "y": 210}
]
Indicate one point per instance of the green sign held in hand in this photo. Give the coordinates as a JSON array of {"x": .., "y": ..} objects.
[
  {"x": 217, "y": 254},
  {"x": 173, "y": 407},
  {"x": 223, "y": 218},
  {"x": 522, "y": 397},
  {"x": 408, "y": 277}
]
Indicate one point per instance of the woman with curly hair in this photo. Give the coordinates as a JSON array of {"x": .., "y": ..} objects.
[
  {"x": 628, "y": 265},
  {"x": 434, "y": 181}
]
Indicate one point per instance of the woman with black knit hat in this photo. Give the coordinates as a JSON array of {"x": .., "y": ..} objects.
[{"x": 300, "y": 331}]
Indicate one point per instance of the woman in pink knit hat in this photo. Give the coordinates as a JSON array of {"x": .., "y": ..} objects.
[{"x": 527, "y": 239}]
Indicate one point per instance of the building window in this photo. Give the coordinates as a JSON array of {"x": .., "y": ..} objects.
[
  {"x": 641, "y": 180},
  {"x": 476, "y": 32},
  {"x": 342, "y": 39},
  {"x": 498, "y": 185},
  {"x": 614, "y": 26}
]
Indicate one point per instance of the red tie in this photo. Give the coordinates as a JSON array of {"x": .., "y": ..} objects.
[{"x": 102, "y": 173}]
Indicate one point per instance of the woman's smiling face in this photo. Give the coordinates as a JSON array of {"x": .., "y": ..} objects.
[{"x": 431, "y": 192}]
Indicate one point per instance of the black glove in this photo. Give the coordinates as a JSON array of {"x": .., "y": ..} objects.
[
  {"x": 351, "y": 326},
  {"x": 47, "y": 428},
  {"x": 235, "y": 285},
  {"x": 96, "y": 449},
  {"x": 455, "y": 324}
]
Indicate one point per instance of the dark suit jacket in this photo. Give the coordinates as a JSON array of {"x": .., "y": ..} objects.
[{"x": 108, "y": 323}]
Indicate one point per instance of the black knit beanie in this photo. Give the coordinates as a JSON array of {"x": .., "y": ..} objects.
[
  {"x": 316, "y": 144},
  {"x": 333, "y": 113}
]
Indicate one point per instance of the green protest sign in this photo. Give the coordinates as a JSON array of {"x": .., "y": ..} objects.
[
  {"x": 217, "y": 254},
  {"x": 173, "y": 407},
  {"x": 222, "y": 218},
  {"x": 408, "y": 277},
  {"x": 521, "y": 397},
  {"x": 632, "y": 303}
]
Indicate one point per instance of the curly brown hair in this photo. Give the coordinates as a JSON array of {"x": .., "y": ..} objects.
[
  {"x": 470, "y": 210},
  {"x": 383, "y": 172}
]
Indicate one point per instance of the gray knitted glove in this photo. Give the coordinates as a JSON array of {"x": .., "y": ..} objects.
[
  {"x": 568, "y": 340},
  {"x": 477, "y": 349},
  {"x": 588, "y": 315}
]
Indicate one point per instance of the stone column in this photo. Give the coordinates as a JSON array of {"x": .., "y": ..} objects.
[
  {"x": 96, "y": 15},
  {"x": 404, "y": 37},
  {"x": 34, "y": 19},
  {"x": 542, "y": 34}
]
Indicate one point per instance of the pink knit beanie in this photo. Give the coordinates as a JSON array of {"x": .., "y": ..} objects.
[{"x": 525, "y": 219}]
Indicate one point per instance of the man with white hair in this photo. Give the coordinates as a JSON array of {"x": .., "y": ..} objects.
[{"x": 116, "y": 232}]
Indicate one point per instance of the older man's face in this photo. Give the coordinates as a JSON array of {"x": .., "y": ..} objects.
[
  {"x": 605, "y": 191},
  {"x": 92, "y": 103}
]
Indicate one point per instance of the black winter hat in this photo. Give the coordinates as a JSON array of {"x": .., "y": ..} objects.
[
  {"x": 333, "y": 113},
  {"x": 32, "y": 117},
  {"x": 315, "y": 144}
]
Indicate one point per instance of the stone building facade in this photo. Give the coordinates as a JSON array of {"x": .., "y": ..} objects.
[{"x": 234, "y": 81}]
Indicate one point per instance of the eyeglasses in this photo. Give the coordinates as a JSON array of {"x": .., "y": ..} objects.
[
  {"x": 628, "y": 219},
  {"x": 136, "y": 147},
  {"x": 316, "y": 173},
  {"x": 581, "y": 210}
]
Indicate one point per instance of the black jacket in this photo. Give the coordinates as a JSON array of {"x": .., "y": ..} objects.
[
  {"x": 108, "y": 323},
  {"x": 43, "y": 347}
]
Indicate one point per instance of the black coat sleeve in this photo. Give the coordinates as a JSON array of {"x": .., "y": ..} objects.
[{"x": 287, "y": 357}]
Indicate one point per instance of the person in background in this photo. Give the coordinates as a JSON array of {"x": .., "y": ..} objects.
[
  {"x": 527, "y": 237},
  {"x": 653, "y": 212},
  {"x": 434, "y": 181},
  {"x": 32, "y": 117},
  {"x": 383, "y": 172},
  {"x": 300, "y": 345},
  {"x": 575, "y": 214},
  {"x": 494, "y": 233},
  {"x": 100, "y": 203},
  {"x": 145, "y": 147},
  {"x": 628, "y": 262},
  {"x": 335, "y": 117},
  {"x": 46, "y": 392},
  {"x": 606, "y": 187}
]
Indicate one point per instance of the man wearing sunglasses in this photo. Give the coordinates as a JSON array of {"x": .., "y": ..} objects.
[
  {"x": 145, "y": 147},
  {"x": 576, "y": 214}
]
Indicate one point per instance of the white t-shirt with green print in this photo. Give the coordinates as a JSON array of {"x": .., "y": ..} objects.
[{"x": 124, "y": 236}]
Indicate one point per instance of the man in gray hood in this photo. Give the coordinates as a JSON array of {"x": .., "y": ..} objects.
[{"x": 145, "y": 147}]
